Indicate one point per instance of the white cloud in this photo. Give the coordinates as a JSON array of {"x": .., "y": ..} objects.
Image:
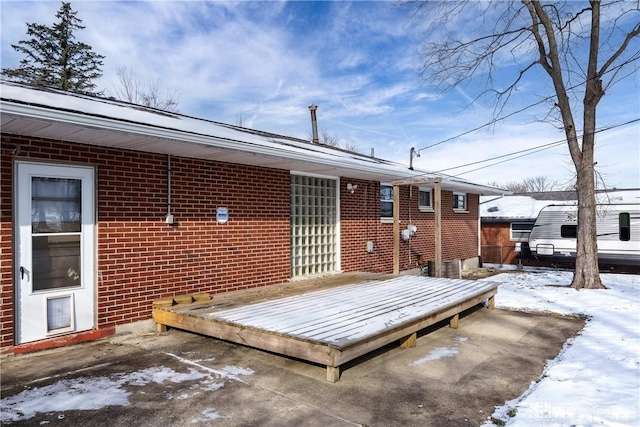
[{"x": 359, "y": 62}]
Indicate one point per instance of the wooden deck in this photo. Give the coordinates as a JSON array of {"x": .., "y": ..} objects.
[{"x": 331, "y": 326}]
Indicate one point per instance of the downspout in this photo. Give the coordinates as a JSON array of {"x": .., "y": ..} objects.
[
  {"x": 410, "y": 223},
  {"x": 479, "y": 238},
  {"x": 169, "y": 218}
]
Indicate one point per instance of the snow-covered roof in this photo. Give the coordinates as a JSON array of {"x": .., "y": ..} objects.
[
  {"x": 624, "y": 196},
  {"x": 510, "y": 207},
  {"x": 514, "y": 207},
  {"x": 48, "y": 113}
]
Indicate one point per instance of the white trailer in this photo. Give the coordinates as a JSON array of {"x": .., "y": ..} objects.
[{"x": 553, "y": 237}]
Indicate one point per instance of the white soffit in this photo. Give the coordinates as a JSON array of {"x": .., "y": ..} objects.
[{"x": 56, "y": 115}]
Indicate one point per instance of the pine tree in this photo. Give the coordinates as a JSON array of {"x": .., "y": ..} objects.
[{"x": 55, "y": 59}]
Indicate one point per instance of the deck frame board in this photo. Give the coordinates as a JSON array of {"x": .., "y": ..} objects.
[{"x": 427, "y": 300}]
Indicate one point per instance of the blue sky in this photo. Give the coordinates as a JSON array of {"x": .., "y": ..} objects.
[{"x": 266, "y": 62}]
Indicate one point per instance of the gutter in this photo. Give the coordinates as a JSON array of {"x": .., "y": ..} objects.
[{"x": 255, "y": 146}]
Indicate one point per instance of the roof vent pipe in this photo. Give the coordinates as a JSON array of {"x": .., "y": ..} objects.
[{"x": 314, "y": 123}]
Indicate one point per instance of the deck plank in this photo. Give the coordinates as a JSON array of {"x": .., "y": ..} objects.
[
  {"x": 332, "y": 326},
  {"x": 357, "y": 311}
]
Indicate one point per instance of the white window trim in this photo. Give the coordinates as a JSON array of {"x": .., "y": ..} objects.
[
  {"x": 424, "y": 208},
  {"x": 514, "y": 239},
  {"x": 384, "y": 219},
  {"x": 464, "y": 209}
]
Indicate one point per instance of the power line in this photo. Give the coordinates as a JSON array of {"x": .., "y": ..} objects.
[
  {"x": 507, "y": 160},
  {"x": 547, "y": 146},
  {"x": 493, "y": 121},
  {"x": 529, "y": 151},
  {"x": 498, "y": 119}
]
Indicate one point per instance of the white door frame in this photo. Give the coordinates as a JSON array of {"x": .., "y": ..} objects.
[{"x": 46, "y": 313}]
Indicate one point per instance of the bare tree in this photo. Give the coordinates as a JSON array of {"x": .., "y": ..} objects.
[
  {"x": 327, "y": 138},
  {"x": 332, "y": 140},
  {"x": 540, "y": 183},
  {"x": 512, "y": 186},
  {"x": 562, "y": 41},
  {"x": 129, "y": 88},
  {"x": 351, "y": 146},
  {"x": 535, "y": 184}
]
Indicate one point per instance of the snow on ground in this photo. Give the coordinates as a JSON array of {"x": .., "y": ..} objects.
[
  {"x": 595, "y": 381},
  {"x": 439, "y": 353},
  {"x": 87, "y": 393}
]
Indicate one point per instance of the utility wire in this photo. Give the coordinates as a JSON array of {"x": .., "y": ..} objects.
[
  {"x": 507, "y": 160},
  {"x": 537, "y": 148},
  {"x": 498, "y": 119},
  {"x": 493, "y": 121},
  {"x": 529, "y": 151}
]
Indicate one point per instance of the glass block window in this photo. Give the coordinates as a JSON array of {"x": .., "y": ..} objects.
[{"x": 314, "y": 248}]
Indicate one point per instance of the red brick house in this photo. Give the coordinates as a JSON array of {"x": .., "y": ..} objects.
[{"x": 107, "y": 206}]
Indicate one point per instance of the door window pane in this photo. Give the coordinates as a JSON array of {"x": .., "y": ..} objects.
[
  {"x": 56, "y": 261},
  {"x": 55, "y": 205}
]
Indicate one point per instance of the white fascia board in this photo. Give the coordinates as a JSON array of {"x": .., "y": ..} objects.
[
  {"x": 245, "y": 143},
  {"x": 261, "y": 146},
  {"x": 467, "y": 187}
]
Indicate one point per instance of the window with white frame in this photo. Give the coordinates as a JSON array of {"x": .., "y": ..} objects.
[
  {"x": 459, "y": 201},
  {"x": 520, "y": 231},
  {"x": 386, "y": 201},
  {"x": 425, "y": 199}
]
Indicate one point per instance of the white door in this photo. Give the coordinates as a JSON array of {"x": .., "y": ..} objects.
[{"x": 55, "y": 250}]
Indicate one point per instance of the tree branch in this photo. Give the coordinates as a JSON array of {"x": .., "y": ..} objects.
[{"x": 634, "y": 33}]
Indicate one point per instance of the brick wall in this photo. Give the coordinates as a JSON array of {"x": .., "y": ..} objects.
[
  {"x": 497, "y": 246},
  {"x": 360, "y": 222},
  {"x": 6, "y": 247},
  {"x": 141, "y": 258}
]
